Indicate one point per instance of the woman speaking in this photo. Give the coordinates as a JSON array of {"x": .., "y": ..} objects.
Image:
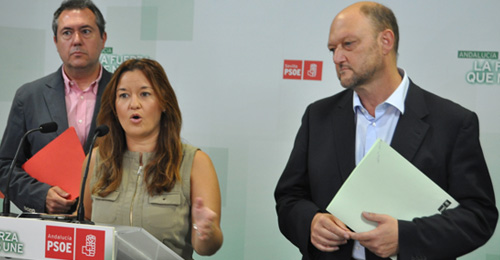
[{"x": 141, "y": 174}]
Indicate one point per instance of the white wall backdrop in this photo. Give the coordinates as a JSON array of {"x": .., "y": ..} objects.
[{"x": 225, "y": 60}]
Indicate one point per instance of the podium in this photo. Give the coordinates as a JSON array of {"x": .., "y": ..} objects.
[
  {"x": 136, "y": 243},
  {"x": 25, "y": 238}
]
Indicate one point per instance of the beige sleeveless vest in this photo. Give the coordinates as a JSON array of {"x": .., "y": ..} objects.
[{"x": 166, "y": 216}]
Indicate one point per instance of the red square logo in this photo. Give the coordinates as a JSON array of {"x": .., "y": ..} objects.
[
  {"x": 59, "y": 242},
  {"x": 292, "y": 69},
  {"x": 89, "y": 244},
  {"x": 313, "y": 70}
]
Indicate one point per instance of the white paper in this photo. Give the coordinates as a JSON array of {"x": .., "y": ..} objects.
[{"x": 385, "y": 182}]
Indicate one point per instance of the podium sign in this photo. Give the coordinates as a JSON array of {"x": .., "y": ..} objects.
[
  {"x": 24, "y": 238},
  {"x": 29, "y": 238}
]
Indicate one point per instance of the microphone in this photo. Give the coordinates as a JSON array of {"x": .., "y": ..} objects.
[
  {"x": 48, "y": 127},
  {"x": 43, "y": 128},
  {"x": 101, "y": 130}
]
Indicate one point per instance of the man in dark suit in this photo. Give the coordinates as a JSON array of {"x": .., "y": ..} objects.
[
  {"x": 70, "y": 97},
  {"x": 438, "y": 136}
]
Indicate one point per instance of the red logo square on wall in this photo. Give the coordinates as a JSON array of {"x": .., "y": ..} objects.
[
  {"x": 292, "y": 69},
  {"x": 89, "y": 244},
  {"x": 59, "y": 242},
  {"x": 313, "y": 70}
]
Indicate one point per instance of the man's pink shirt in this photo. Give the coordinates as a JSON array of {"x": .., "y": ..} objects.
[{"x": 80, "y": 105}]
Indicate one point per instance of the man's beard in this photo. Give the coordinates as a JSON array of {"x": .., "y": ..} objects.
[
  {"x": 364, "y": 74},
  {"x": 358, "y": 79}
]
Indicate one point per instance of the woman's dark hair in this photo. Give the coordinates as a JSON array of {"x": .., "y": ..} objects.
[{"x": 162, "y": 172}]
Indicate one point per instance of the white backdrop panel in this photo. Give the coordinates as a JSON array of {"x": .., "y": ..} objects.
[{"x": 225, "y": 61}]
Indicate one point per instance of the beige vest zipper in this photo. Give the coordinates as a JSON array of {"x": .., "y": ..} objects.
[{"x": 139, "y": 171}]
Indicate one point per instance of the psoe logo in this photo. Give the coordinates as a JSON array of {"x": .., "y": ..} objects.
[
  {"x": 313, "y": 70},
  {"x": 299, "y": 69},
  {"x": 485, "y": 67},
  {"x": 292, "y": 69},
  {"x": 89, "y": 244},
  {"x": 65, "y": 243},
  {"x": 59, "y": 242}
]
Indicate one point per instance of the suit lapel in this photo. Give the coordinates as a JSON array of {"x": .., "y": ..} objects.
[
  {"x": 411, "y": 128},
  {"x": 344, "y": 133},
  {"x": 54, "y": 95},
  {"x": 407, "y": 138},
  {"x": 55, "y": 101}
]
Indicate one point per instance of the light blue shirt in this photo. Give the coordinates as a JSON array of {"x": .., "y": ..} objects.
[{"x": 383, "y": 125}]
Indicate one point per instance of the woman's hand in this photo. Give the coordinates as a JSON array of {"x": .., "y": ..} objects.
[{"x": 203, "y": 220}]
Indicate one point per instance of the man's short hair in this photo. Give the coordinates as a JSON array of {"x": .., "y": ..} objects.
[
  {"x": 79, "y": 5},
  {"x": 382, "y": 18}
]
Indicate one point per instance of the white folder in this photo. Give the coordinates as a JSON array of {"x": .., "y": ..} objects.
[{"x": 385, "y": 182}]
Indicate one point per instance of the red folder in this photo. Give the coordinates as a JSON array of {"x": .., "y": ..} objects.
[{"x": 59, "y": 163}]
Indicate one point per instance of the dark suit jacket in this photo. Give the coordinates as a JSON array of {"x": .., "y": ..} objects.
[
  {"x": 438, "y": 136},
  {"x": 35, "y": 103}
]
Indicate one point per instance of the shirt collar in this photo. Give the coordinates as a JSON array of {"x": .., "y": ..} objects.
[
  {"x": 69, "y": 84},
  {"x": 396, "y": 99}
]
